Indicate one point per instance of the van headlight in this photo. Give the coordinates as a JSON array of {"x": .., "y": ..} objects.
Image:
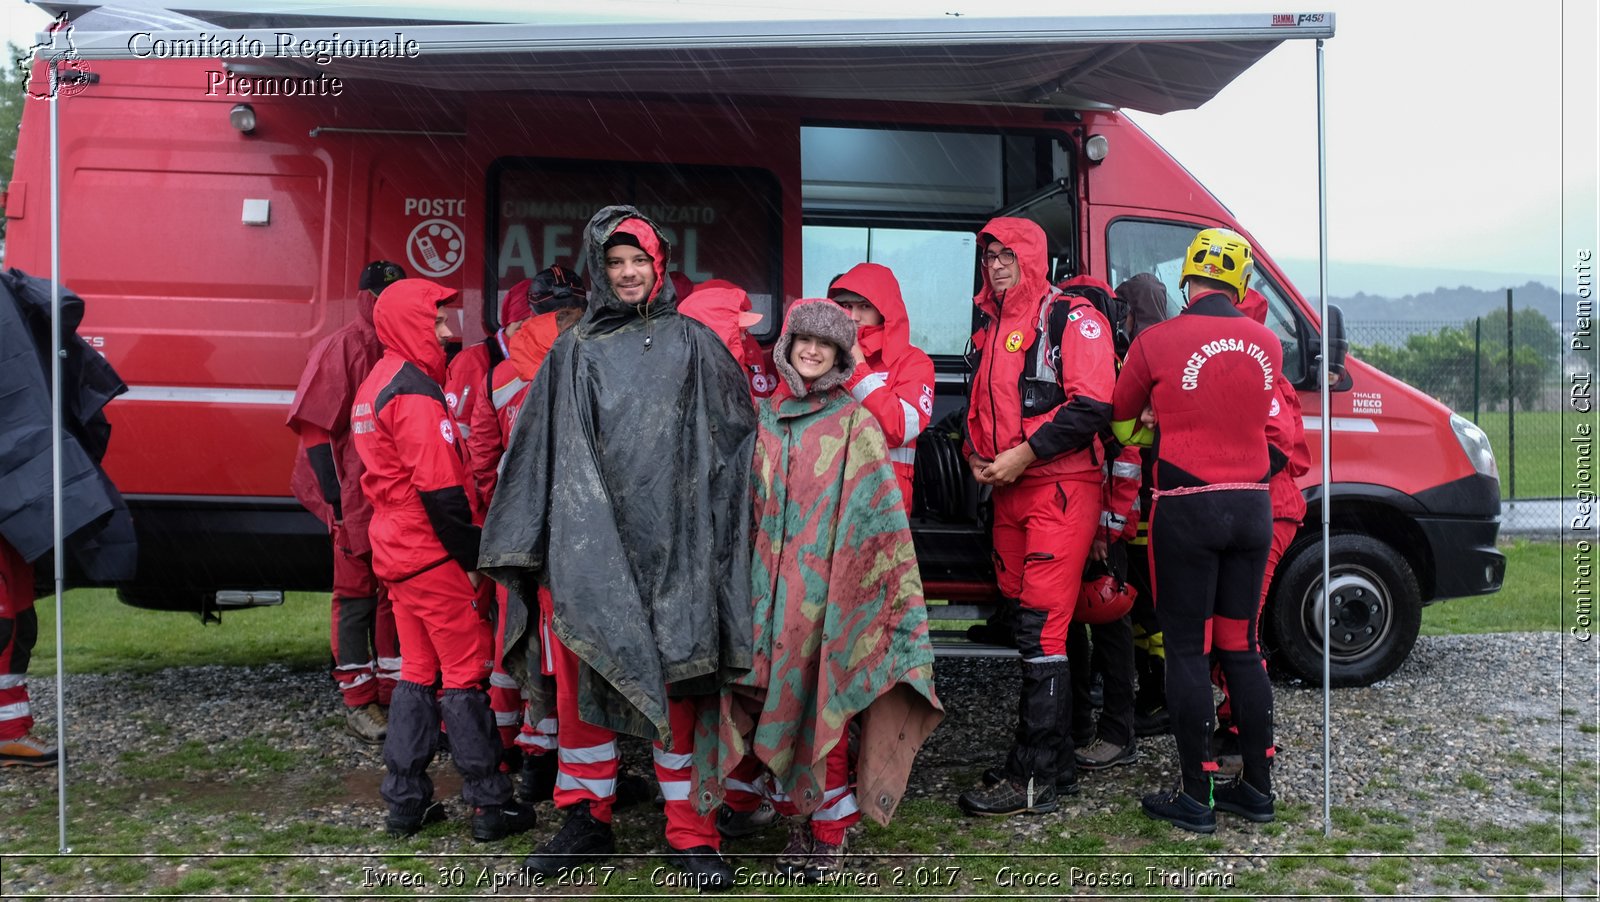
[{"x": 1476, "y": 444}]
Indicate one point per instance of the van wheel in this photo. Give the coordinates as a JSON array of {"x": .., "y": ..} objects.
[{"x": 1377, "y": 611}]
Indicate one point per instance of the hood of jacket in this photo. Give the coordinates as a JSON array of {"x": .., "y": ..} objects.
[
  {"x": 718, "y": 305},
  {"x": 1254, "y": 306},
  {"x": 877, "y": 284},
  {"x": 366, "y": 301},
  {"x": 531, "y": 344},
  {"x": 823, "y": 319},
  {"x": 404, "y": 317},
  {"x": 1025, "y": 239},
  {"x": 608, "y": 312},
  {"x": 1147, "y": 301}
]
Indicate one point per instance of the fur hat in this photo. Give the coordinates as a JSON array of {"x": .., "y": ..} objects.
[{"x": 827, "y": 321}]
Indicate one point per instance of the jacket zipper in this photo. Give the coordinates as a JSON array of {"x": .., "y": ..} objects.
[{"x": 994, "y": 412}]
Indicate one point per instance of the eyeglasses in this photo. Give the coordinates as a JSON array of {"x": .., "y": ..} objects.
[{"x": 1006, "y": 257}]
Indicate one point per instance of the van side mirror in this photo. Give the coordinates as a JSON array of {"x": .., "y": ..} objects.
[{"x": 1337, "y": 347}]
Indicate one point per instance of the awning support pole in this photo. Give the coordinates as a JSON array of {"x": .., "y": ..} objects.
[
  {"x": 1323, "y": 389},
  {"x": 55, "y": 445}
]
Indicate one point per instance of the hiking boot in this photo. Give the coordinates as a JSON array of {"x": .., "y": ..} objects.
[
  {"x": 1066, "y": 780},
  {"x": 633, "y": 790},
  {"x": 825, "y": 862},
  {"x": 367, "y": 723},
  {"x": 704, "y": 867},
  {"x": 1008, "y": 797},
  {"x": 792, "y": 860},
  {"x": 1179, "y": 809},
  {"x": 491, "y": 823},
  {"x": 1239, "y": 797},
  {"x": 401, "y": 824},
  {"x": 26, "y": 751},
  {"x": 537, "y": 781},
  {"x": 737, "y": 824},
  {"x": 1155, "y": 722},
  {"x": 1100, "y": 754},
  {"x": 580, "y": 839}
]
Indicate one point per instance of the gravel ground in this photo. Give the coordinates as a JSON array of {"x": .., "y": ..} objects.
[{"x": 1469, "y": 730}]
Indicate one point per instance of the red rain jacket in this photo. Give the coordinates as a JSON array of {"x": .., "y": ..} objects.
[
  {"x": 717, "y": 304},
  {"x": 1066, "y": 438},
  {"x": 1209, "y": 374},
  {"x": 896, "y": 383},
  {"x": 320, "y": 414},
  {"x": 1285, "y": 431},
  {"x": 492, "y": 420},
  {"x": 415, "y": 476}
]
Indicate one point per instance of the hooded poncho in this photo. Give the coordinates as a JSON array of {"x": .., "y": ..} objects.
[
  {"x": 840, "y": 627},
  {"x": 625, "y": 490}
]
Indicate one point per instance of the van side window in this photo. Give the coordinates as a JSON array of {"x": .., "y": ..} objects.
[
  {"x": 1134, "y": 246},
  {"x": 935, "y": 269}
]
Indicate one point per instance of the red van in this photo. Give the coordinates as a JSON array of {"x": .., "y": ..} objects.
[{"x": 222, "y": 188}]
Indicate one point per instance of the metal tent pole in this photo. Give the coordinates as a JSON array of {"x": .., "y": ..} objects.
[
  {"x": 55, "y": 446},
  {"x": 1327, "y": 431}
]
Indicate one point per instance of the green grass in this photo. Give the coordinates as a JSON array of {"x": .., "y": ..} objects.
[
  {"x": 256, "y": 795},
  {"x": 1541, "y": 442},
  {"x": 103, "y": 635},
  {"x": 1530, "y": 601}
]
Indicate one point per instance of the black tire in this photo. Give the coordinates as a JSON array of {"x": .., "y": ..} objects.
[{"x": 1377, "y": 611}]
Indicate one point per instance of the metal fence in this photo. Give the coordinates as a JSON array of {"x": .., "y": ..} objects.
[{"x": 1517, "y": 398}]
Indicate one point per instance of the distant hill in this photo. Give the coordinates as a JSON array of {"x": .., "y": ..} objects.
[
  {"x": 1350, "y": 279},
  {"x": 1452, "y": 305}
]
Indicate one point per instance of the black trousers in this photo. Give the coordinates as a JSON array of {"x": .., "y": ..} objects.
[
  {"x": 1210, "y": 550},
  {"x": 1108, "y": 649}
]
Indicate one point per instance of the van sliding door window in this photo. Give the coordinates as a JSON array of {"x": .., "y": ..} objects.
[
  {"x": 935, "y": 270},
  {"x": 913, "y": 200},
  {"x": 1134, "y": 246},
  {"x": 723, "y": 221}
]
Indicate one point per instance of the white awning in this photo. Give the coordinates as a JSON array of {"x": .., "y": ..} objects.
[{"x": 1157, "y": 64}]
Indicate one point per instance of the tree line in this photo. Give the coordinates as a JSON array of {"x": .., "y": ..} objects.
[{"x": 1460, "y": 365}]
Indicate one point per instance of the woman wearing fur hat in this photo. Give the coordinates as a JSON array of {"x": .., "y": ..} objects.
[{"x": 840, "y": 629}]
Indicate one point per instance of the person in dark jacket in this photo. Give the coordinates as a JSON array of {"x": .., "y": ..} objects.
[
  {"x": 327, "y": 480},
  {"x": 97, "y": 531},
  {"x": 425, "y": 535},
  {"x": 1205, "y": 380},
  {"x": 624, "y": 490}
]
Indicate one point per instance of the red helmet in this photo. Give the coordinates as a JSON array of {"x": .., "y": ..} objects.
[{"x": 1104, "y": 600}]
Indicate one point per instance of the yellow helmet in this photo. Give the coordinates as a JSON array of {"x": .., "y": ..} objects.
[{"x": 1220, "y": 254}]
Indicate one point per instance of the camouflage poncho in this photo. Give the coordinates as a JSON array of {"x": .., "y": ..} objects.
[{"x": 840, "y": 627}]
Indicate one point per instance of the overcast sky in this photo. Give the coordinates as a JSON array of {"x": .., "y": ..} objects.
[{"x": 1445, "y": 124}]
